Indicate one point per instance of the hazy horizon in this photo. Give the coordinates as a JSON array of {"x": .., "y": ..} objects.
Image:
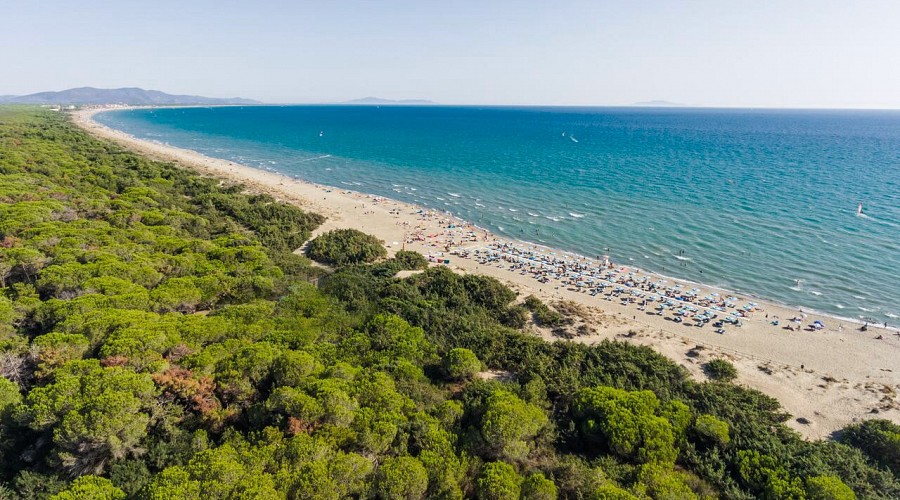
[{"x": 794, "y": 54}]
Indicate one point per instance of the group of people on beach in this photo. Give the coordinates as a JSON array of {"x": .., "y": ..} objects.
[
  {"x": 451, "y": 236},
  {"x": 583, "y": 275}
]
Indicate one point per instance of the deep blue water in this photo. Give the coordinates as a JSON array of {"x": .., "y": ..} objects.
[{"x": 755, "y": 199}]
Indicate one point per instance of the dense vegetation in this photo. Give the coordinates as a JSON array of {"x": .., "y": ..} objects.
[{"x": 159, "y": 339}]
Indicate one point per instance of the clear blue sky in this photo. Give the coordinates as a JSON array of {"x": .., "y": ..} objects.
[{"x": 778, "y": 53}]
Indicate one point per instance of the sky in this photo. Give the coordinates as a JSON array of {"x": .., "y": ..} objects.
[{"x": 760, "y": 53}]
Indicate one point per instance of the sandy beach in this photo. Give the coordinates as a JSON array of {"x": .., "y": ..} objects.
[{"x": 826, "y": 378}]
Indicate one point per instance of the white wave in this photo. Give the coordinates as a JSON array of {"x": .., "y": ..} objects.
[
  {"x": 577, "y": 216},
  {"x": 455, "y": 195},
  {"x": 314, "y": 158},
  {"x": 533, "y": 214},
  {"x": 681, "y": 257},
  {"x": 839, "y": 306},
  {"x": 513, "y": 209},
  {"x": 891, "y": 315},
  {"x": 815, "y": 292},
  {"x": 479, "y": 204}
]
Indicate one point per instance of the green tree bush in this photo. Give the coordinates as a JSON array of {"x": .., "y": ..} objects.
[
  {"x": 828, "y": 488},
  {"x": 498, "y": 481},
  {"x": 713, "y": 429},
  {"x": 461, "y": 364},
  {"x": 97, "y": 414},
  {"x": 401, "y": 478},
  {"x": 627, "y": 422},
  {"x": 92, "y": 487},
  {"x": 877, "y": 438},
  {"x": 537, "y": 487},
  {"x": 509, "y": 426},
  {"x": 720, "y": 370},
  {"x": 342, "y": 247}
]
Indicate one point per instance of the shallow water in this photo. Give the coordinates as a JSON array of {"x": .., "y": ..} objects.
[{"x": 747, "y": 200}]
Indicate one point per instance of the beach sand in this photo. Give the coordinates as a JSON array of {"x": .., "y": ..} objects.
[{"x": 826, "y": 379}]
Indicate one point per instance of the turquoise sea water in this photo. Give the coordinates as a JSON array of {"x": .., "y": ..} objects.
[{"x": 746, "y": 200}]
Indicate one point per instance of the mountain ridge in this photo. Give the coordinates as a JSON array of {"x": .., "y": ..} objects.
[{"x": 125, "y": 95}]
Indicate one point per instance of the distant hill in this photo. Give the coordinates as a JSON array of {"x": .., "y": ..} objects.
[
  {"x": 133, "y": 95},
  {"x": 378, "y": 100},
  {"x": 658, "y": 104}
]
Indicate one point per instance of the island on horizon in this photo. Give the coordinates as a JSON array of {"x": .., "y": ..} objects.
[
  {"x": 378, "y": 100},
  {"x": 658, "y": 103}
]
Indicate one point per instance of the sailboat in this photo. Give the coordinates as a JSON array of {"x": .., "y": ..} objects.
[{"x": 859, "y": 212}]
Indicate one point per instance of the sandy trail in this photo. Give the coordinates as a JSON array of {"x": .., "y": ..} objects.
[{"x": 827, "y": 379}]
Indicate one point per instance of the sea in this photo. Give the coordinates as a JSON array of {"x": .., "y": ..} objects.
[{"x": 758, "y": 201}]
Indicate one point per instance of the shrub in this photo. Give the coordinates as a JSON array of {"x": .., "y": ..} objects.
[
  {"x": 461, "y": 364},
  {"x": 346, "y": 246},
  {"x": 402, "y": 477},
  {"x": 410, "y": 261},
  {"x": 543, "y": 315},
  {"x": 879, "y": 439},
  {"x": 828, "y": 488},
  {"x": 538, "y": 487},
  {"x": 713, "y": 429},
  {"x": 720, "y": 370},
  {"x": 499, "y": 481}
]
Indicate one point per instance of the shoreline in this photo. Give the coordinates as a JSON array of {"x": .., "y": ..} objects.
[
  {"x": 861, "y": 372},
  {"x": 881, "y": 319}
]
